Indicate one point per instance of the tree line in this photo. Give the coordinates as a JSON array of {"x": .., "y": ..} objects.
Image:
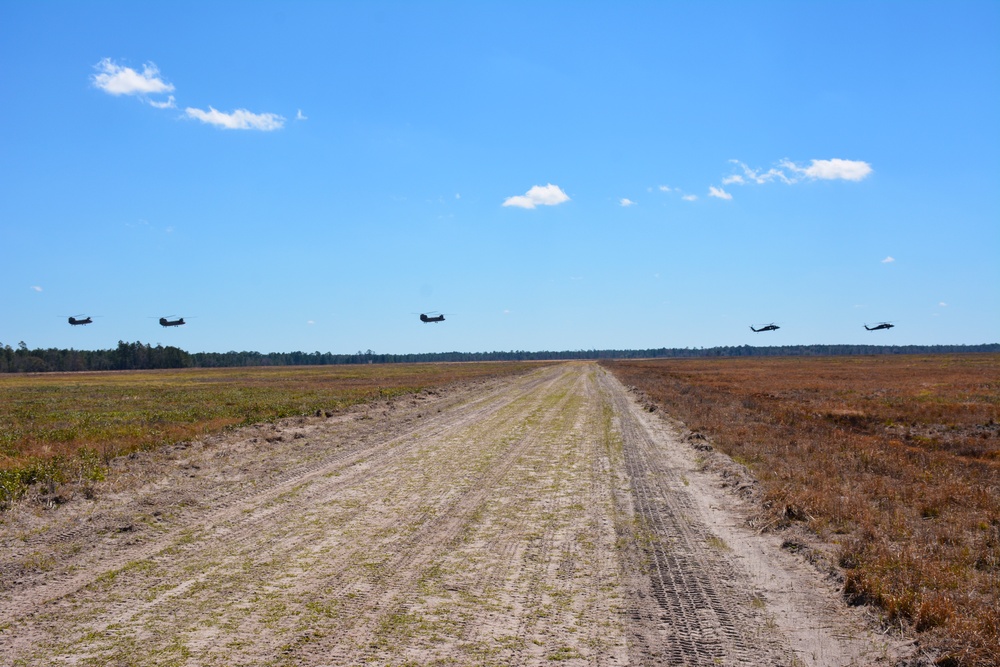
[{"x": 141, "y": 356}]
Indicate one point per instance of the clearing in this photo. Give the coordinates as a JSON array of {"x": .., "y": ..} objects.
[{"x": 517, "y": 521}]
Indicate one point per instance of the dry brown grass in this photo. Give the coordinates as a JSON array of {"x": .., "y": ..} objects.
[{"x": 895, "y": 459}]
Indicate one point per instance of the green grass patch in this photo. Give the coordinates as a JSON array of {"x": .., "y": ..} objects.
[{"x": 59, "y": 427}]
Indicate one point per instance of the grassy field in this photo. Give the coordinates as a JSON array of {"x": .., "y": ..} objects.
[
  {"x": 894, "y": 459},
  {"x": 60, "y": 426}
]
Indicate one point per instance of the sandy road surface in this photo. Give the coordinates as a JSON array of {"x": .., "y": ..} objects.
[{"x": 541, "y": 519}]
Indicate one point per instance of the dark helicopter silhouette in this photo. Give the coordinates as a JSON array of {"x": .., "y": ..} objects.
[
  {"x": 435, "y": 318},
  {"x": 164, "y": 322},
  {"x": 882, "y": 325},
  {"x": 83, "y": 320},
  {"x": 766, "y": 327}
]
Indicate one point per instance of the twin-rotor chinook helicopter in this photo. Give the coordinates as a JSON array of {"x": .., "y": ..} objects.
[
  {"x": 164, "y": 322},
  {"x": 167, "y": 322}
]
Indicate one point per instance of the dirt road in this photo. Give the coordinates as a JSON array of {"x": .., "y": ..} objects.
[{"x": 517, "y": 522}]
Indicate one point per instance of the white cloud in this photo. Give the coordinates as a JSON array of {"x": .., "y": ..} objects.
[
  {"x": 119, "y": 80},
  {"x": 889, "y": 260},
  {"x": 169, "y": 104},
  {"x": 664, "y": 188},
  {"x": 943, "y": 304},
  {"x": 241, "y": 119},
  {"x": 626, "y": 202},
  {"x": 547, "y": 195},
  {"x": 310, "y": 322},
  {"x": 735, "y": 178},
  {"x": 719, "y": 193},
  {"x": 690, "y": 197},
  {"x": 848, "y": 170},
  {"x": 36, "y": 288},
  {"x": 300, "y": 116}
]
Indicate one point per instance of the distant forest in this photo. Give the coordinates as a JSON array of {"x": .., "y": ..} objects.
[{"x": 140, "y": 356}]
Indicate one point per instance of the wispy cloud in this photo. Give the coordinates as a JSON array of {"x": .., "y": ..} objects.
[
  {"x": 718, "y": 193},
  {"x": 757, "y": 176},
  {"x": 943, "y": 304},
  {"x": 169, "y": 104},
  {"x": 539, "y": 195},
  {"x": 241, "y": 119},
  {"x": 684, "y": 196},
  {"x": 789, "y": 172},
  {"x": 626, "y": 202},
  {"x": 117, "y": 79},
  {"x": 36, "y": 288},
  {"x": 889, "y": 260},
  {"x": 300, "y": 116}
]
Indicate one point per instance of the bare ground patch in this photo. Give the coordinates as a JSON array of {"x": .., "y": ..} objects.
[{"x": 540, "y": 519}]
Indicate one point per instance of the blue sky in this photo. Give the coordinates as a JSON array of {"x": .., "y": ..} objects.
[{"x": 561, "y": 176}]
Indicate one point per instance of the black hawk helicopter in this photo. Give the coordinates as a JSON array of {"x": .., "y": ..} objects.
[
  {"x": 164, "y": 322},
  {"x": 434, "y": 318},
  {"x": 83, "y": 320},
  {"x": 881, "y": 325},
  {"x": 767, "y": 327}
]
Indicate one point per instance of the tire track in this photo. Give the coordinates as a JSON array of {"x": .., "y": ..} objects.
[{"x": 695, "y": 607}]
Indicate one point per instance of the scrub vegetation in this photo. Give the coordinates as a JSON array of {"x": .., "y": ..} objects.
[
  {"x": 63, "y": 427},
  {"x": 895, "y": 460}
]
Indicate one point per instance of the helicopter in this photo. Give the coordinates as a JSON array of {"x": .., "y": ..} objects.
[
  {"x": 164, "y": 322},
  {"x": 83, "y": 320},
  {"x": 767, "y": 327},
  {"x": 881, "y": 325},
  {"x": 435, "y": 318}
]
